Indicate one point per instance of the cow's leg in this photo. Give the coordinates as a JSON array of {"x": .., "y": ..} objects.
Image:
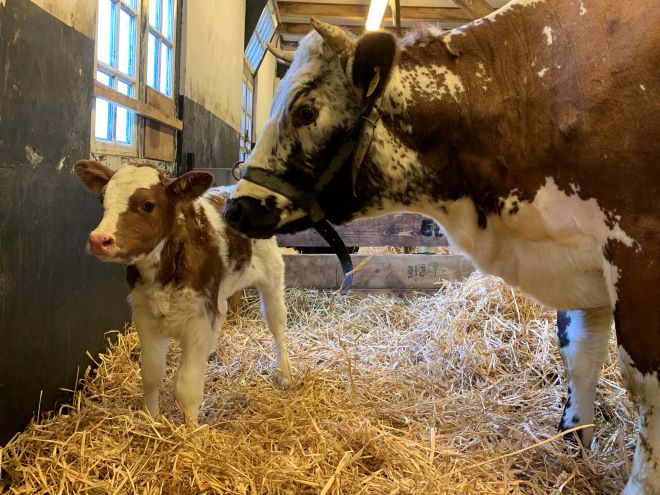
[
  {"x": 197, "y": 342},
  {"x": 273, "y": 309},
  {"x": 644, "y": 389},
  {"x": 153, "y": 356},
  {"x": 583, "y": 337},
  {"x": 636, "y": 292}
]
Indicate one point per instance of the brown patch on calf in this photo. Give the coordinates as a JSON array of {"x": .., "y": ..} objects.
[
  {"x": 191, "y": 255},
  {"x": 138, "y": 231}
]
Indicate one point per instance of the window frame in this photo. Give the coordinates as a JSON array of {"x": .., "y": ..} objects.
[
  {"x": 247, "y": 113},
  {"x": 138, "y": 80},
  {"x": 161, "y": 39}
]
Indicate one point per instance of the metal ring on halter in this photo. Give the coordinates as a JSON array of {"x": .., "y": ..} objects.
[{"x": 236, "y": 170}]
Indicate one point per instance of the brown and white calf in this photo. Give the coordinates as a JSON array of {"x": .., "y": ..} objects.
[
  {"x": 531, "y": 135},
  {"x": 183, "y": 263}
]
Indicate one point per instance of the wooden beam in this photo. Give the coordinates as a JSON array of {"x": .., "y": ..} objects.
[
  {"x": 476, "y": 8},
  {"x": 397, "y": 230},
  {"x": 359, "y": 12},
  {"x": 395, "y": 7},
  {"x": 383, "y": 271},
  {"x": 302, "y": 28},
  {"x": 137, "y": 106}
]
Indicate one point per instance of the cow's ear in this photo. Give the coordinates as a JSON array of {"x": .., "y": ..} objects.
[
  {"x": 93, "y": 175},
  {"x": 190, "y": 186},
  {"x": 375, "y": 56}
]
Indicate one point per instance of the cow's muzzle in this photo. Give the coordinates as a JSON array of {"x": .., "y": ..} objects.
[{"x": 251, "y": 217}]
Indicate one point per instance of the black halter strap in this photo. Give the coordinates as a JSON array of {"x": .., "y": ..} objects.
[{"x": 352, "y": 151}]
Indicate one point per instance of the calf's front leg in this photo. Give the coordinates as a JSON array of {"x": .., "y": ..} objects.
[
  {"x": 153, "y": 355},
  {"x": 197, "y": 342}
]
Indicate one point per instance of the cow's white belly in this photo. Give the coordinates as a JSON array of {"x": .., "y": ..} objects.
[{"x": 551, "y": 248}]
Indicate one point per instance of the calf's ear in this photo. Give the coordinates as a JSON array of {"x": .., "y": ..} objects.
[
  {"x": 190, "y": 186},
  {"x": 375, "y": 56},
  {"x": 93, "y": 175}
]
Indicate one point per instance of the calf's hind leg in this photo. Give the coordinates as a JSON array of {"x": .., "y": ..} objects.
[
  {"x": 197, "y": 342},
  {"x": 273, "y": 309},
  {"x": 583, "y": 337}
]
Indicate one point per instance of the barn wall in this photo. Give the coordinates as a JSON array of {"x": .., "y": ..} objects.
[
  {"x": 55, "y": 301},
  {"x": 211, "y": 74},
  {"x": 265, "y": 88}
]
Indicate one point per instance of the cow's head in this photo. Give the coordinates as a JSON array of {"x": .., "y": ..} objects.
[
  {"x": 333, "y": 80},
  {"x": 140, "y": 207}
]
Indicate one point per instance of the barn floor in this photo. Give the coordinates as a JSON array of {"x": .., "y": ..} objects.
[{"x": 429, "y": 396}]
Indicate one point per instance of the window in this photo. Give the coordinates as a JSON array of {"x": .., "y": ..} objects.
[
  {"x": 123, "y": 27},
  {"x": 116, "y": 55},
  {"x": 247, "y": 101},
  {"x": 256, "y": 47},
  {"x": 160, "y": 45}
]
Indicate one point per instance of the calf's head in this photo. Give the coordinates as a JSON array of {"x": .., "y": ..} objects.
[
  {"x": 139, "y": 207},
  {"x": 318, "y": 107}
]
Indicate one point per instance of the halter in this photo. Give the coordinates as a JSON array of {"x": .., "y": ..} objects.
[{"x": 353, "y": 150}]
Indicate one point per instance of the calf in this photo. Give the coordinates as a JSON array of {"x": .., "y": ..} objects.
[{"x": 182, "y": 263}]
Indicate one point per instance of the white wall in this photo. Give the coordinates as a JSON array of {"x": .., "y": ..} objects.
[
  {"x": 265, "y": 88},
  {"x": 212, "y": 56}
]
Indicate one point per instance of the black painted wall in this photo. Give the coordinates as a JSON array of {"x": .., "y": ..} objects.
[
  {"x": 213, "y": 142},
  {"x": 56, "y": 302}
]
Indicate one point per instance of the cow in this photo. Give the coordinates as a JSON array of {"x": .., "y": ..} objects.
[
  {"x": 531, "y": 135},
  {"x": 182, "y": 264}
]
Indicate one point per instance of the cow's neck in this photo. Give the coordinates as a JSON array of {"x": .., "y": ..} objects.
[{"x": 148, "y": 265}]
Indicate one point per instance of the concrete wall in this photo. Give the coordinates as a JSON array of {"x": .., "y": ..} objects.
[{"x": 56, "y": 302}]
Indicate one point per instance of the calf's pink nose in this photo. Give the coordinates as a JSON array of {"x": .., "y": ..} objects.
[{"x": 100, "y": 242}]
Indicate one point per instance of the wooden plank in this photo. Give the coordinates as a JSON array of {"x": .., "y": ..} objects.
[
  {"x": 302, "y": 28},
  {"x": 359, "y": 12},
  {"x": 137, "y": 106},
  {"x": 383, "y": 271},
  {"x": 396, "y": 230},
  {"x": 159, "y": 138}
]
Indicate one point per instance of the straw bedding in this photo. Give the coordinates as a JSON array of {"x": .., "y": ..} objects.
[{"x": 431, "y": 395}]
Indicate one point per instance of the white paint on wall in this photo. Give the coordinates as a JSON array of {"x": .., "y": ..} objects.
[
  {"x": 265, "y": 89},
  {"x": 212, "y": 55},
  {"x": 79, "y": 14},
  {"x": 33, "y": 156}
]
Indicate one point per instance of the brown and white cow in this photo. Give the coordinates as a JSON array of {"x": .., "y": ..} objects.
[
  {"x": 532, "y": 135},
  {"x": 183, "y": 264}
]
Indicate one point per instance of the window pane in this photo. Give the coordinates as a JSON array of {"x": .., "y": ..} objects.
[
  {"x": 126, "y": 62},
  {"x": 124, "y": 88},
  {"x": 168, "y": 11},
  {"x": 151, "y": 61},
  {"x": 102, "y": 125},
  {"x": 153, "y": 13},
  {"x": 104, "y": 78},
  {"x": 104, "y": 32},
  {"x": 123, "y": 129},
  {"x": 165, "y": 68}
]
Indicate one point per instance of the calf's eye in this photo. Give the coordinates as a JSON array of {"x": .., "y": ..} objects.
[
  {"x": 304, "y": 115},
  {"x": 148, "y": 206}
]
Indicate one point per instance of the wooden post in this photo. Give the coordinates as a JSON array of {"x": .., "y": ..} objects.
[{"x": 395, "y": 7}]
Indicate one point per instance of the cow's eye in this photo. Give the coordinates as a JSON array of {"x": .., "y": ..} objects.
[
  {"x": 148, "y": 206},
  {"x": 304, "y": 115}
]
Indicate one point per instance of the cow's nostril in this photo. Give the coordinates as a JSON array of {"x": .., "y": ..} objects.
[
  {"x": 234, "y": 212},
  {"x": 108, "y": 241}
]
